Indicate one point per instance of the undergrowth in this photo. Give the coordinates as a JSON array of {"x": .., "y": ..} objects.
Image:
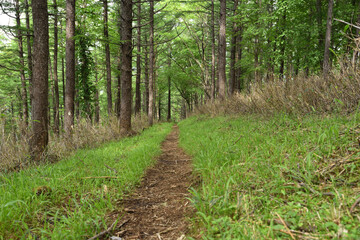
[
  {"x": 70, "y": 199},
  {"x": 280, "y": 177},
  {"x": 338, "y": 93},
  {"x": 14, "y": 138}
]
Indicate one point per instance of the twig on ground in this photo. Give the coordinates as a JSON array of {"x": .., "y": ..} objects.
[
  {"x": 354, "y": 205},
  {"x": 238, "y": 139},
  {"x": 107, "y": 166},
  {"x": 103, "y": 232},
  {"x": 286, "y": 227},
  {"x": 108, "y": 230},
  {"x": 100, "y": 177}
]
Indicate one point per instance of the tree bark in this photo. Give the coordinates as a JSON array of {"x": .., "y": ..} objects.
[
  {"x": 238, "y": 81},
  {"x": 39, "y": 139},
  {"x": 126, "y": 66},
  {"x": 282, "y": 49},
  {"x": 169, "y": 89},
  {"x": 222, "y": 51},
  {"x": 320, "y": 28},
  {"x": 118, "y": 92},
  {"x": 97, "y": 103},
  {"x": 138, "y": 65},
  {"x": 107, "y": 59},
  {"x": 356, "y": 52},
  {"x": 326, "y": 64},
  {"x": 56, "y": 80},
  {"x": 25, "y": 111},
  {"x": 146, "y": 99},
  {"x": 29, "y": 52},
  {"x": 151, "y": 65},
  {"x": 233, "y": 53},
  {"x": 70, "y": 67},
  {"x": 213, "y": 80}
]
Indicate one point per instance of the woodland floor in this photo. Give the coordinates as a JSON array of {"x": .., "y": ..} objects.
[{"x": 158, "y": 208}]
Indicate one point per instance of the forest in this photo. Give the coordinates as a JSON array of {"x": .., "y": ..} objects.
[{"x": 258, "y": 100}]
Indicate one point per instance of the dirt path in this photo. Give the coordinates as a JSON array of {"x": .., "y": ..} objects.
[{"x": 158, "y": 208}]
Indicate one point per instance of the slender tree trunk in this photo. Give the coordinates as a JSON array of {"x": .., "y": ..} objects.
[
  {"x": 213, "y": 79},
  {"x": 356, "y": 52},
  {"x": 56, "y": 81},
  {"x": 238, "y": 82},
  {"x": 326, "y": 64},
  {"x": 126, "y": 66},
  {"x": 169, "y": 89},
  {"x": 138, "y": 65},
  {"x": 320, "y": 28},
  {"x": 222, "y": 51},
  {"x": 25, "y": 110},
  {"x": 107, "y": 59},
  {"x": 70, "y": 67},
  {"x": 159, "y": 106},
  {"x": 146, "y": 78},
  {"x": 39, "y": 139},
  {"x": 151, "y": 65},
  {"x": 97, "y": 103},
  {"x": 29, "y": 52},
  {"x": 118, "y": 92},
  {"x": 282, "y": 49},
  {"x": 63, "y": 80},
  {"x": 232, "y": 79}
]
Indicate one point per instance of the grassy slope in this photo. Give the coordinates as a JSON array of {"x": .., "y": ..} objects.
[
  {"x": 258, "y": 171},
  {"x": 76, "y": 206}
]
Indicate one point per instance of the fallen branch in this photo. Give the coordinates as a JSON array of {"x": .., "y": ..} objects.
[
  {"x": 103, "y": 232},
  {"x": 286, "y": 227},
  {"x": 100, "y": 177},
  {"x": 107, "y": 230},
  {"x": 354, "y": 205}
]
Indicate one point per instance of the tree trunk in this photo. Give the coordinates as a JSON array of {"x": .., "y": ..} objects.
[
  {"x": 118, "y": 92},
  {"x": 97, "y": 103},
  {"x": 39, "y": 139},
  {"x": 238, "y": 81},
  {"x": 70, "y": 67},
  {"x": 159, "y": 106},
  {"x": 138, "y": 65},
  {"x": 222, "y": 51},
  {"x": 320, "y": 28},
  {"x": 25, "y": 111},
  {"x": 56, "y": 81},
  {"x": 282, "y": 49},
  {"x": 126, "y": 66},
  {"x": 326, "y": 64},
  {"x": 146, "y": 99},
  {"x": 213, "y": 81},
  {"x": 169, "y": 89},
  {"x": 233, "y": 54},
  {"x": 355, "y": 53},
  {"x": 28, "y": 43},
  {"x": 107, "y": 59},
  {"x": 151, "y": 65}
]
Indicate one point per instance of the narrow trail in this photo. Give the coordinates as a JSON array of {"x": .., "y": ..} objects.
[{"x": 159, "y": 207}]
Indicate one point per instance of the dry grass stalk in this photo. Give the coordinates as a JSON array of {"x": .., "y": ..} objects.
[{"x": 300, "y": 95}]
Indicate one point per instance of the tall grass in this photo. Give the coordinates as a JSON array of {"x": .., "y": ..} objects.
[
  {"x": 339, "y": 92},
  {"x": 14, "y": 147},
  {"x": 76, "y": 198}
]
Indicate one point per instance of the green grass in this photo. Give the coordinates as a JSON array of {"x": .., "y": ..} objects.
[
  {"x": 256, "y": 171},
  {"x": 76, "y": 207}
]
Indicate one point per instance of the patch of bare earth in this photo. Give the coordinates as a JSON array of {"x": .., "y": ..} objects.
[{"x": 159, "y": 207}]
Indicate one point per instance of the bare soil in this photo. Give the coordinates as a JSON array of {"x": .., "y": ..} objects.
[{"x": 159, "y": 207}]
